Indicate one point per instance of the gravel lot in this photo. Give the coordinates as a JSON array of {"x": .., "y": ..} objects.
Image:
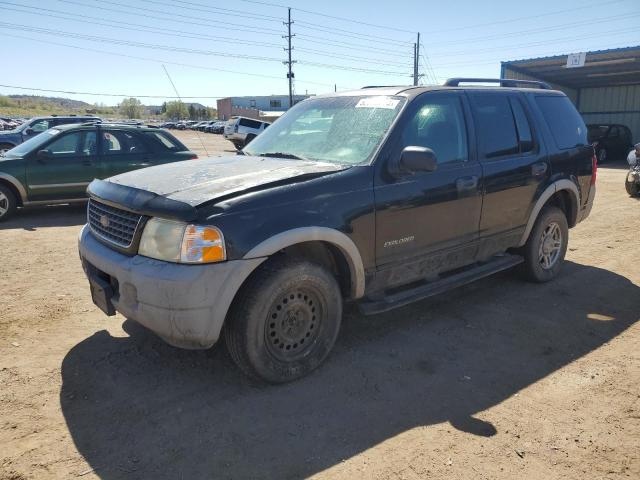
[{"x": 500, "y": 379}]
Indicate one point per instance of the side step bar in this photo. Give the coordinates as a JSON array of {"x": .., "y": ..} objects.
[{"x": 405, "y": 297}]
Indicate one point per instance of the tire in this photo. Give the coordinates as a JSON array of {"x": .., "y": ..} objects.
[
  {"x": 249, "y": 138},
  {"x": 8, "y": 203},
  {"x": 602, "y": 156},
  {"x": 284, "y": 321},
  {"x": 4, "y": 147},
  {"x": 632, "y": 187},
  {"x": 547, "y": 245}
]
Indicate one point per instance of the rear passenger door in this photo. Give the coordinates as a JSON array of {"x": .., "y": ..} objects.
[
  {"x": 122, "y": 151},
  {"x": 515, "y": 166}
]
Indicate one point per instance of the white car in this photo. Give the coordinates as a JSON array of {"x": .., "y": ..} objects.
[{"x": 241, "y": 130}]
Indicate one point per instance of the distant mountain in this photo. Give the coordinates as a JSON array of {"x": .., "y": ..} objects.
[{"x": 66, "y": 103}]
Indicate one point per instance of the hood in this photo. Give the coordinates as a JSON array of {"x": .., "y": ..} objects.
[{"x": 198, "y": 181}]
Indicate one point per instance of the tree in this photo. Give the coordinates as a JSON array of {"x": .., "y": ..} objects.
[
  {"x": 131, "y": 107},
  {"x": 176, "y": 110},
  {"x": 163, "y": 108},
  {"x": 193, "y": 114}
]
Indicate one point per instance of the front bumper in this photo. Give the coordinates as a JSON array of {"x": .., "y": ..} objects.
[{"x": 186, "y": 305}]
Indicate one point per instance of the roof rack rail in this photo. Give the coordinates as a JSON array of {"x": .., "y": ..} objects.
[
  {"x": 504, "y": 82},
  {"x": 91, "y": 122}
]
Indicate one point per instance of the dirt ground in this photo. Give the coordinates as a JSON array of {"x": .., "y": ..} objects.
[{"x": 500, "y": 379}]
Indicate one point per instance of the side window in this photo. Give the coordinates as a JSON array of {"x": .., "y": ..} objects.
[
  {"x": 122, "y": 143},
  {"x": 564, "y": 121},
  {"x": 439, "y": 125},
  {"x": 164, "y": 140},
  {"x": 495, "y": 125},
  {"x": 110, "y": 144},
  {"x": 525, "y": 137},
  {"x": 89, "y": 144},
  {"x": 40, "y": 126},
  {"x": 246, "y": 122},
  {"x": 614, "y": 132},
  {"x": 66, "y": 145}
]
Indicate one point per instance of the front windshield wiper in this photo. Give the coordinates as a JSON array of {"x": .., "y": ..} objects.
[{"x": 281, "y": 155}]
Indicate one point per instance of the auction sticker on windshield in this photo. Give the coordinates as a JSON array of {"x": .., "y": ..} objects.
[{"x": 378, "y": 102}]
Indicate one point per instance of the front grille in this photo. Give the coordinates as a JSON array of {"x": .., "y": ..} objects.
[{"x": 112, "y": 224}]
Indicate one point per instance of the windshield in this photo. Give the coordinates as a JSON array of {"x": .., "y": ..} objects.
[
  {"x": 344, "y": 130},
  {"x": 32, "y": 144}
]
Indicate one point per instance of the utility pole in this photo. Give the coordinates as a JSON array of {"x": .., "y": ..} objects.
[
  {"x": 416, "y": 61},
  {"x": 289, "y": 62}
]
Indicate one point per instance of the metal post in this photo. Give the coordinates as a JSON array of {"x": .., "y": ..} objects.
[
  {"x": 289, "y": 62},
  {"x": 416, "y": 61}
]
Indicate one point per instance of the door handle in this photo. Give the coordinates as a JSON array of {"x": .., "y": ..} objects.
[
  {"x": 539, "y": 169},
  {"x": 467, "y": 183}
]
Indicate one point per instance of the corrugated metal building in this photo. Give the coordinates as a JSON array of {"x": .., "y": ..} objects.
[{"x": 604, "y": 85}]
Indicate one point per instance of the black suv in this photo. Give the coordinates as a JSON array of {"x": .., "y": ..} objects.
[
  {"x": 381, "y": 196},
  {"x": 35, "y": 126}
]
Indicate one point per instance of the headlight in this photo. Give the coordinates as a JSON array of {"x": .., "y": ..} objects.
[{"x": 181, "y": 243}]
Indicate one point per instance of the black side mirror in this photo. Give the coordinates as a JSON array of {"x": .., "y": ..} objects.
[
  {"x": 418, "y": 159},
  {"x": 43, "y": 154}
]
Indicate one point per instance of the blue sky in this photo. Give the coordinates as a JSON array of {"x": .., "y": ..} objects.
[{"x": 218, "y": 49}]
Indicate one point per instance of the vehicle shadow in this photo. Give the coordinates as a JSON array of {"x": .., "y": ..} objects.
[
  {"x": 137, "y": 408},
  {"x": 32, "y": 218}
]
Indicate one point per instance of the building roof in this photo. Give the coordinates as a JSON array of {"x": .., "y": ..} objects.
[{"x": 617, "y": 66}]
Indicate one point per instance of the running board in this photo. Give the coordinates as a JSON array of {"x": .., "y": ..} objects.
[{"x": 405, "y": 297}]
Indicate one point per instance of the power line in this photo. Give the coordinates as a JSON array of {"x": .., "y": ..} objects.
[
  {"x": 598, "y": 5},
  {"x": 563, "y": 26},
  {"x": 535, "y": 44},
  {"x": 167, "y": 31},
  {"x": 115, "y": 41},
  {"x": 147, "y": 59},
  {"x": 216, "y": 11},
  {"x": 124, "y": 95},
  {"x": 191, "y": 20},
  {"x": 359, "y": 36},
  {"x": 316, "y": 39}
]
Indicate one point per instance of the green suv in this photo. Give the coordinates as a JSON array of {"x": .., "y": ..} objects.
[{"x": 57, "y": 165}]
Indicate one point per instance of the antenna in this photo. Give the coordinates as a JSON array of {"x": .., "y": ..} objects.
[{"x": 179, "y": 98}]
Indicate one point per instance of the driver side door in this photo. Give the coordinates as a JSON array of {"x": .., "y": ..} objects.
[{"x": 428, "y": 222}]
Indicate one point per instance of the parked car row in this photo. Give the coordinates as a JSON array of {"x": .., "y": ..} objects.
[
  {"x": 56, "y": 165},
  {"x": 7, "y": 123},
  {"x": 209, "y": 126}
]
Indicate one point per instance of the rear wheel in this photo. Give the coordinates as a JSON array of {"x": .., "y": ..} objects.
[
  {"x": 285, "y": 320},
  {"x": 8, "y": 203},
  {"x": 249, "y": 138},
  {"x": 547, "y": 245}
]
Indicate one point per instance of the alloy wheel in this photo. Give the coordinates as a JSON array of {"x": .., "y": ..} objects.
[{"x": 550, "y": 246}]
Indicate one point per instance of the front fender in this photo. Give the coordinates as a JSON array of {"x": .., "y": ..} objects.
[{"x": 309, "y": 234}]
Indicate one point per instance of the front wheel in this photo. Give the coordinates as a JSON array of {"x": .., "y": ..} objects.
[
  {"x": 8, "y": 203},
  {"x": 5, "y": 147},
  {"x": 285, "y": 320},
  {"x": 547, "y": 245}
]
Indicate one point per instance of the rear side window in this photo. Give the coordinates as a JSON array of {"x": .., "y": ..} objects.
[
  {"x": 566, "y": 124},
  {"x": 525, "y": 137},
  {"x": 164, "y": 141},
  {"x": 495, "y": 125},
  {"x": 247, "y": 122}
]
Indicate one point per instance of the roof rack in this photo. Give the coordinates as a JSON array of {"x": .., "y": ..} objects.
[{"x": 504, "y": 82}]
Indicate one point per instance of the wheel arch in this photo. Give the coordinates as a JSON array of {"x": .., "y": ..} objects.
[
  {"x": 14, "y": 184},
  {"x": 339, "y": 243},
  {"x": 563, "y": 193}
]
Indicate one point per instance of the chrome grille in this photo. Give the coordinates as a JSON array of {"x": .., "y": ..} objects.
[{"x": 112, "y": 224}]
